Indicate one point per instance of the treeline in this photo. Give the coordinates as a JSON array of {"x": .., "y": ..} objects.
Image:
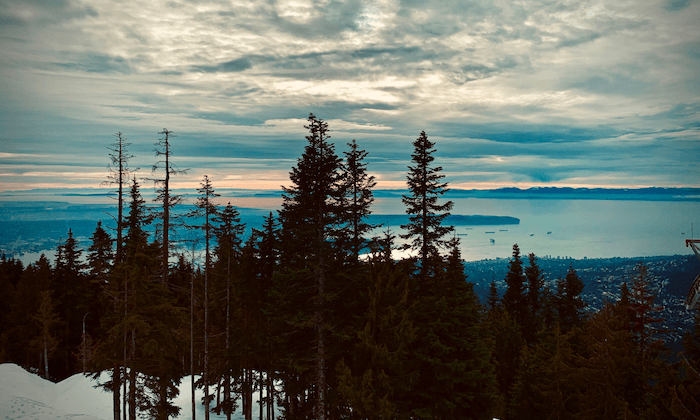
[{"x": 312, "y": 319}]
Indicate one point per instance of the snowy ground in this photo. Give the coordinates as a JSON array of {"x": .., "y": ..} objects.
[{"x": 26, "y": 396}]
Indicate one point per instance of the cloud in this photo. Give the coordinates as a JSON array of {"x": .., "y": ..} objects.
[{"x": 557, "y": 89}]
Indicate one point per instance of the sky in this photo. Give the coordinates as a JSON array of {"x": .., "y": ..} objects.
[{"x": 514, "y": 94}]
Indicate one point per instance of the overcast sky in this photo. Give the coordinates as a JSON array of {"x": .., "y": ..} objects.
[{"x": 550, "y": 93}]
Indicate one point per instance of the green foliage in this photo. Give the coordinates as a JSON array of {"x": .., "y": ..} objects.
[
  {"x": 515, "y": 299},
  {"x": 570, "y": 304},
  {"x": 424, "y": 228}
]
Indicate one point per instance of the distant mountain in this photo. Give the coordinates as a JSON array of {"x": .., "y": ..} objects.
[{"x": 638, "y": 194}]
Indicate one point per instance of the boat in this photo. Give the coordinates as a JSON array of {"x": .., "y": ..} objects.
[
  {"x": 490, "y": 232},
  {"x": 532, "y": 234},
  {"x": 504, "y": 230},
  {"x": 493, "y": 241},
  {"x": 549, "y": 233}
]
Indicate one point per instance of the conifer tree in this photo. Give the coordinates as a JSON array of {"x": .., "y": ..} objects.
[
  {"x": 309, "y": 216},
  {"x": 376, "y": 377},
  {"x": 569, "y": 301},
  {"x": 167, "y": 199},
  {"x": 47, "y": 319},
  {"x": 205, "y": 207},
  {"x": 100, "y": 254},
  {"x": 515, "y": 298},
  {"x": 456, "y": 376},
  {"x": 119, "y": 175},
  {"x": 425, "y": 227},
  {"x": 151, "y": 321},
  {"x": 74, "y": 296},
  {"x": 228, "y": 232},
  {"x": 493, "y": 300},
  {"x": 685, "y": 396},
  {"x": 358, "y": 197},
  {"x": 535, "y": 282}
]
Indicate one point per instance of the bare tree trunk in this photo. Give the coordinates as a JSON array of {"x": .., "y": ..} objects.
[
  {"x": 192, "y": 335},
  {"x": 46, "y": 358},
  {"x": 116, "y": 397},
  {"x": 206, "y": 325},
  {"x": 132, "y": 381},
  {"x": 227, "y": 384}
]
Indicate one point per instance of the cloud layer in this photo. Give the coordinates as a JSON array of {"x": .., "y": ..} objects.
[{"x": 514, "y": 93}]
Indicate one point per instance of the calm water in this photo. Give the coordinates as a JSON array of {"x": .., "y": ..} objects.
[{"x": 579, "y": 228}]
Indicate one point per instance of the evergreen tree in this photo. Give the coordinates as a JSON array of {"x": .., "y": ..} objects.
[
  {"x": 376, "y": 377},
  {"x": 100, "y": 254},
  {"x": 425, "y": 223},
  {"x": 515, "y": 299},
  {"x": 493, "y": 301},
  {"x": 535, "y": 283},
  {"x": 205, "y": 207},
  {"x": 119, "y": 175},
  {"x": 455, "y": 374},
  {"x": 47, "y": 319},
  {"x": 685, "y": 396},
  {"x": 358, "y": 197},
  {"x": 610, "y": 374},
  {"x": 309, "y": 216},
  {"x": 151, "y": 321},
  {"x": 167, "y": 199},
  {"x": 570, "y": 304},
  {"x": 228, "y": 232},
  {"x": 74, "y": 296}
]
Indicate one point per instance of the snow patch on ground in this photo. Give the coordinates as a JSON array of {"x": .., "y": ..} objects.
[{"x": 26, "y": 396}]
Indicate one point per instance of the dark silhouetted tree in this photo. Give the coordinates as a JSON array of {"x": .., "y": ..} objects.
[
  {"x": 425, "y": 229},
  {"x": 167, "y": 199}
]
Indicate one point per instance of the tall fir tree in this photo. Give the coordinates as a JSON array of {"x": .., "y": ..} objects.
[
  {"x": 424, "y": 228},
  {"x": 453, "y": 359},
  {"x": 515, "y": 297},
  {"x": 206, "y": 208},
  {"x": 358, "y": 197},
  {"x": 165, "y": 196},
  {"x": 375, "y": 378},
  {"x": 120, "y": 175},
  {"x": 569, "y": 302},
  {"x": 535, "y": 284},
  {"x": 228, "y": 231},
  {"x": 309, "y": 216}
]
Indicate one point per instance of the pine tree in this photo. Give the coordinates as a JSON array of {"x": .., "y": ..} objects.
[
  {"x": 425, "y": 224},
  {"x": 47, "y": 319},
  {"x": 493, "y": 301},
  {"x": 74, "y": 296},
  {"x": 309, "y": 215},
  {"x": 570, "y": 304},
  {"x": 685, "y": 396},
  {"x": 119, "y": 175},
  {"x": 376, "y": 377},
  {"x": 515, "y": 299},
  {"x": 151, "y": 321},
  {"x": 358, "y": 197},
  {"x": 535, "y": 282},
  {"x": 205, "y": 207},
  {"x": 100, "y": 254},
  {"x": 167, "y": 199},
  {"x": 228, "y": 232},
  {"x": 456, "y": 376}
]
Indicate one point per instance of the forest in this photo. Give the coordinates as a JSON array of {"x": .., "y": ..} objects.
[{"x": 310, "y": 317}]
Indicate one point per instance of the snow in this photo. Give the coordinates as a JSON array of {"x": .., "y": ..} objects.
[{"x": 24, "y": 395}]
